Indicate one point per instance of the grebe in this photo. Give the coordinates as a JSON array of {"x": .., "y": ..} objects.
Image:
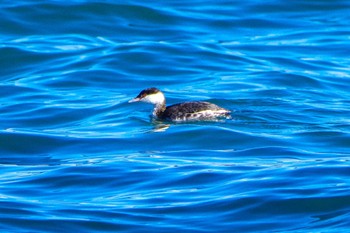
[{"x": 187, "y": 111}]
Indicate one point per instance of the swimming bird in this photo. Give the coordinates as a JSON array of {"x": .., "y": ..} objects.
[{"x": 187, "y": 111}]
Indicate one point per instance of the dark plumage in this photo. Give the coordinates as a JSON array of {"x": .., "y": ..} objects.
[{"x": 196, "y": 110}]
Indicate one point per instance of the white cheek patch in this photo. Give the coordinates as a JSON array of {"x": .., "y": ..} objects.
[{"x": 154, "y": 98}]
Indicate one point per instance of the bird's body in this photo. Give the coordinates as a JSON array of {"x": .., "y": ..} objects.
[{"x": 187, "y": 111}]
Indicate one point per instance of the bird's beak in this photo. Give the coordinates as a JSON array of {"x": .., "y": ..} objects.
[{"x": 134, "y": 100}]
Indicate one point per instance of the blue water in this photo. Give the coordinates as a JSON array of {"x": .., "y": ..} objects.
[{"x": 75, "y": 156}]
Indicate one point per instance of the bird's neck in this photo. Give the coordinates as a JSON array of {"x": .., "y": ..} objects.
[{"x": 159, "y": 109}]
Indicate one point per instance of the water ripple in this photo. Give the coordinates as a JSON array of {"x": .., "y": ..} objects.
[{"x": 75, "y": 156}]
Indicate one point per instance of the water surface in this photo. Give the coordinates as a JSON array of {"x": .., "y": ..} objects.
[{"x": 75, "y": 156}]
